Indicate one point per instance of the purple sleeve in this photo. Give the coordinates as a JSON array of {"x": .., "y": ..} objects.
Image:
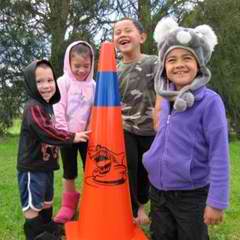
[{"x": 216, "y": 131}]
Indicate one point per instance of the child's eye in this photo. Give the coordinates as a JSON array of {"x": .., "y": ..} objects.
[
  {"x": 170, "y": 60},
  {"x": 117, "y": 32},
  {"x": 188, "y": 57}
]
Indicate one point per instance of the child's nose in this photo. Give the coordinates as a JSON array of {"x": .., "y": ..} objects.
[
  {"x": 81, "y": 70},
  {"x": 122, "y": 33},
  {"x": 179, "y": 63},
  {"x": 46, "y": 85}
]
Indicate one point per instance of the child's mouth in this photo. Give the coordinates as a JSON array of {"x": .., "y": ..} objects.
[{"x": 124, "y": 42}]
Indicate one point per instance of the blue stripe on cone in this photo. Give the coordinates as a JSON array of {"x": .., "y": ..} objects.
[{"x": 107, "y": 93}]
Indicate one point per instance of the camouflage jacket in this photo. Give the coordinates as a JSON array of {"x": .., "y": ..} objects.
[{"x": 136, "y": 81}]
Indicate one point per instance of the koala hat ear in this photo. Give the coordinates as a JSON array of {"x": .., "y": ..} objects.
[
  {"x": 208, "y": 35},
  {"x": 163, "y": 28}
]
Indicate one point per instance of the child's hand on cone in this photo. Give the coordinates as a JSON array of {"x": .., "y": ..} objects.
[
  {"x": 213, "y": 216},
  {"x": 81, "y": 136}
]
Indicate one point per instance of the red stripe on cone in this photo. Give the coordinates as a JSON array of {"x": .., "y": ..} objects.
[{"x": 107, "y": 61}]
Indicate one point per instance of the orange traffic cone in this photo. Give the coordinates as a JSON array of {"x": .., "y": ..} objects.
[{"x": 105, "y": 210}]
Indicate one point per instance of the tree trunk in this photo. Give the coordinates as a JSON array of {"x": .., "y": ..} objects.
[
  {"x": 145, "y": 17},
  {"x": 57, "y": 24}
]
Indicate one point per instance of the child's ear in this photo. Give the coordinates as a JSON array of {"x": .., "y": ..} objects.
[{"x": 143, "y": 37}]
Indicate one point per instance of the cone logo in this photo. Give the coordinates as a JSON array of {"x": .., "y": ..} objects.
[
  {"x": 109, "y": 169},
  {"x": 105, "y": 207}
]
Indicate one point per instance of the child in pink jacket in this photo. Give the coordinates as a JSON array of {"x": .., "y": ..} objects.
[{"x": 77, "y": 89}]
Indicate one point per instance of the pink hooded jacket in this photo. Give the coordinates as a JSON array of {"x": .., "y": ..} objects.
[{"x": 73, "y": 110}]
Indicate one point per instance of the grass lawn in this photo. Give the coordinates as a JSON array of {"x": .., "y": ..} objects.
[{"x": 11, "y": 218}]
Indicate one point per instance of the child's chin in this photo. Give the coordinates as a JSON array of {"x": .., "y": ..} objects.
[
  {"x": 126, "y": 49},
  {"x": 81, "y": 79},
  {"x": 47, "y": 99}
]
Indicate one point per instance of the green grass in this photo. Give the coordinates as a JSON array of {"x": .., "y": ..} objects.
[
  {"x": 11, "y": 218},
  {"x": 230, "y": 229},
  {"x": 10, "y": 214},
  {"x": 15, "y": 129}
]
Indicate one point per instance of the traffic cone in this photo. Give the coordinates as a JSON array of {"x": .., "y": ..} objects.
[{"x": 105, "y": 209}]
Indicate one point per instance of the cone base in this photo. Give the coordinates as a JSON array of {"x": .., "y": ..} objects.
[{"x": 73, "y": 228}]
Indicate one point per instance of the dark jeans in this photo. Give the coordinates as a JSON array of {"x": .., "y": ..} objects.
[
  {"x": 69, "y": 158},
  {"x": 138, "y": 178},
  {"x": 178, "y": 215}
]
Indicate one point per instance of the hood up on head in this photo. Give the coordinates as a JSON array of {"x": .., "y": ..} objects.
[
  {"x": 67, "y": 68},
  {"x": 31, "y": 85}
]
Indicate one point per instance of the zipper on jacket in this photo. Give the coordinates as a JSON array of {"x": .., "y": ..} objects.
[
  {"x": 168, "y": 119},
  {"x": 171, "y": 111},
  {"x": 164, "y": 150},
  {"x": 166, "y": 143}
]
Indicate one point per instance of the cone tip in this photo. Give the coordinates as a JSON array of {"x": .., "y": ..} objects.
[{"x": 107, "y": 61}]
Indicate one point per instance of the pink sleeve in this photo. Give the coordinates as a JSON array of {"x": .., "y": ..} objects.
[{"x": 61, "y": 107}]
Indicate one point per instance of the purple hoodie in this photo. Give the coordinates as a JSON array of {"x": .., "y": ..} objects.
[
  {"x": 77, "y": 97},
  {"x": 190, "y": 149}
]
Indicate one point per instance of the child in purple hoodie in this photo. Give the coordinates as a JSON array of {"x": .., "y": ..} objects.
[
  {"x": 77, "y": 89},
  {"x": 188, "y": 162}
]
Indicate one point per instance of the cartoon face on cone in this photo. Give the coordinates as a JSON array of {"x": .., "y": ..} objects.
[
  {"x": 103, "y": 163},
  {"x": 109, "y": 168}
]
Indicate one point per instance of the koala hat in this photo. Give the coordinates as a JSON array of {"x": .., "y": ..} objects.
[{"x": 200, "y": 41}]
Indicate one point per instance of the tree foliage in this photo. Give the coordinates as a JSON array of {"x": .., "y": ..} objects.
[
  {"x": 40, "y": 29},
  {"x": 33, "y": 29},
  {"x": 224, "y": 17},
  {"x": 149, "y": 12},
  {"x": 19, "y": 44}
]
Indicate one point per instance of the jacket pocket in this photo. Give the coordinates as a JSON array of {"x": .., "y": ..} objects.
[{"x": 179, "y": 171}]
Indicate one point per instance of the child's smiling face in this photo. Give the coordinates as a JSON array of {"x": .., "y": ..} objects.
[
  {"x": 181, "y": 67},
  {"x": 81, "y": 66},
  {"x": 126, "y": 37},
  {"x": 45, "y": 82}
]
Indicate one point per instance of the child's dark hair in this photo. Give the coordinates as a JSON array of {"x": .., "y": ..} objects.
[
  {"x": 43, "y": 64},
  {"x": 136, "y": 23},
  {"x": 81, "y": 49}
]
